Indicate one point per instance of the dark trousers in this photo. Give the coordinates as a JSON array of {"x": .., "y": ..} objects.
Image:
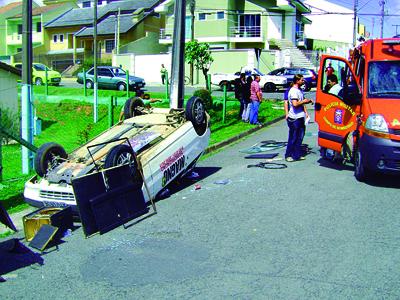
[
  {"x": 163, "y": 79},
  {"x": 242, "y": 106},
  {"x": 297, "y": 130}
]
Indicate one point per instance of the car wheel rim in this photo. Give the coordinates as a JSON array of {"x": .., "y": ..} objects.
[
  {"x": 125, "y": 158},
  {"x": 199, "y": 112}
]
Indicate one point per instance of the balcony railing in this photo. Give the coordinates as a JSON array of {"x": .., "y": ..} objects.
[
  {"x": 165, "y": 34},
  {"x": 245, "y": 31},
  {"x": 16, "y": 38}
]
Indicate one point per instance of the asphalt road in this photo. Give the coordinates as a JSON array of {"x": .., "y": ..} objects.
[{"x": 309, "y": 231}]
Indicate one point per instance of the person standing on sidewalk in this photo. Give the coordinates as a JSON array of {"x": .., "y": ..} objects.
[
  {"x": 295, "y": 117},
  {"x": 240, "y": 91},
  {"x": 163, "y": 72},
  {"x": 256, "y": 98}
]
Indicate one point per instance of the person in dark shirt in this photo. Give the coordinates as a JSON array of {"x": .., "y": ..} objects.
[{"x": 240, "y": 93}]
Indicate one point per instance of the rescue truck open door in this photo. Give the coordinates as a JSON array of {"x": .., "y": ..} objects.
[{"x": 336, "y": 109}]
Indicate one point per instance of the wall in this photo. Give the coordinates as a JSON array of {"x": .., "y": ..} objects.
[{"x": 8, "y": 91}]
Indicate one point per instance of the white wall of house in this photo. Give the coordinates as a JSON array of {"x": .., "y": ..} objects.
[
  {"x": 8, "y": 91},
  {"x": 290, "y": 28},
  {"x": 274, "y": 30},
  {"x": 330, "y": 27}
]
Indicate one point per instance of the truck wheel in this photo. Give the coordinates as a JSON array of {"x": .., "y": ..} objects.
[
  {"x": 305, "y": 87},
  {"x": 121, "y": 86},
  {"x": 119, "y": 155},
  {"x": 89, "y": 84},
  {"x": 38, "y": 81},
  {"x": 48, "y": 156},
  {"x": 196, "y": 113},
  {"x": 360, "y": 172},
  {"x": 269, "y": 87},
  {"x": 133, "y": 107}
]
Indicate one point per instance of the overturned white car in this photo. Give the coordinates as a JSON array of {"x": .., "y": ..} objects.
[{"x": 158, "y": 144}]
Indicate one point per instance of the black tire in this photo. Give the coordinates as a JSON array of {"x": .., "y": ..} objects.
[
  {"x": 89, "y": 84},
  {"x": 361, "y": 173},
  {"x": 269, "y": 87},
  {"x": 227, "y": 84},
  {"x": 132, "y": 107},
  {"x": 120, "y": 155},
  {"x": 38, "y": 81},
  {"x": 196, "y": 113},
  {"x": 47, "y": 157},
  {"x": 121, "y": 87}
]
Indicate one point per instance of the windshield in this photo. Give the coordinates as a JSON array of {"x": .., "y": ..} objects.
[
  {"x": 258, "y": 72},
  {"x": 384, "y": 79},
  {"x": 39, "y": 67}
]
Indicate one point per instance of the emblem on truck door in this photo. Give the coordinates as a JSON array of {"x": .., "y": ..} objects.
[{"x": 338, "y": 119}]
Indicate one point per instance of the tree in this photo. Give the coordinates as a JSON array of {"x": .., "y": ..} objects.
[{"x": 199, "y": 55}]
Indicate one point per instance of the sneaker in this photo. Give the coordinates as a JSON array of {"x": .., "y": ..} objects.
[
  {"x": 302, "y": 158},
  {"x": 289, "y": 159}
]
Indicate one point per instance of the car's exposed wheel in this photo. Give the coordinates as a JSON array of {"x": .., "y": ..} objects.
[
  {"x": 89, "y": 84},
  {"x": 47, "y": 157},
  {"x": 133, "y": 107},
  {"x": 360, "y": 172},
  {"x": 121, "y": 155},
  {"x": 227, "y": 84},
  {"x": 38, "y": 81},
  {"x": 269, "y": 87},
  {"x": 196, "y": 113},
  {"x": 121, "y": 86}
]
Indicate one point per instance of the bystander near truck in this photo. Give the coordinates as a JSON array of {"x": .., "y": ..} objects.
[{"x": 359, "y": 118}]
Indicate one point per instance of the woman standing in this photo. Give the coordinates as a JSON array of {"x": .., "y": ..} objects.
[
  {"x": 295, "y": 117},
  {"x": 256, "y": 98}
]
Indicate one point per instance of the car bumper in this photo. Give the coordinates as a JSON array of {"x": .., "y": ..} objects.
[{"x": 377, "y": 150}]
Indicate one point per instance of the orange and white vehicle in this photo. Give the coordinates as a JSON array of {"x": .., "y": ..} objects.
[{"x": 361, "y": 122}]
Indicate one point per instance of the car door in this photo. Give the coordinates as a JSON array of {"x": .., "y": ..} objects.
[
  {"x": 105, "y": 78},
  {"x": 336, "y": 109}
]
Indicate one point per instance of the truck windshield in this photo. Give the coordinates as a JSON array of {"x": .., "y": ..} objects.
[{"x": 384, "y": 79}]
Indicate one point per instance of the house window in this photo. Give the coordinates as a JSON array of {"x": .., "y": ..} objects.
[
  {"x": 202, "y": 16},
  {"x": 99, "y": 2},
  {"x": 61, "y": 38},
  {"x": 39, "y": 27},
  {"x": 110, "y": 44},
  {"x": 220, "y": 15},
  {"x": 55, "y": 38},
  {"x": 250, "y": 25},
  {"x": 19, "y": 49},
  {"x": 19, "y": 28},
  {"x": 85, "y": 4}
]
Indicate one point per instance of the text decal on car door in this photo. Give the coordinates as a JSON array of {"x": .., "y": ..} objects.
[{"x": 172, "y": 166}]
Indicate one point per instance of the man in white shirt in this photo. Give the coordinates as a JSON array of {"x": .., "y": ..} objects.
[{"x": 335, "y": 88}]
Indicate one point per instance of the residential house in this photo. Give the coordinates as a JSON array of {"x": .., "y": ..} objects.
[
  {"x": 9, "y": 77},
  {"x": 123, "y": 23},
  {"x": 241, "y": 24},
  {"x": 7, "y": 11},
  {"x": 40, "y": 15}
]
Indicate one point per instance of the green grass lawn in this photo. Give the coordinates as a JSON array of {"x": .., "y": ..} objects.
[{"x": 70, "y": 123}]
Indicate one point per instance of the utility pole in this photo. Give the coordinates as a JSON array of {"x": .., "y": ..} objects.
[
  {"x": 355, "y": 23},
  {"x": 26, "y": 89},
  {"x": 118, "y": 29},
  {"x": 382, "y": 3},
  {"x": 95, "y": 61},
  {"x": 178, "y": 52},
  {"x": 192, "y": 8}
]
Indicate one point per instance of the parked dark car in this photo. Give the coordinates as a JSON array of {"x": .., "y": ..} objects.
[
  {"x": 111, "y": 78},
  {"x": 310, "y": 77}
]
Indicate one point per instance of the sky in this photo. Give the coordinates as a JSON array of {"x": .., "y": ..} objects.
[{"x": 372, "y": 22}]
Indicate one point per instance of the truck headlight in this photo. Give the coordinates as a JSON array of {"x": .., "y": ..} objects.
[{"x": 376, "y": 122}]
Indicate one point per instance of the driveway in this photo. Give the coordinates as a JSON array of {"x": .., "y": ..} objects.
[{"x": 308, "y": 231}]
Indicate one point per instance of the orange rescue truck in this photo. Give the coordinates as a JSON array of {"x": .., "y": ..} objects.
[{"x": 359, "y": 119}]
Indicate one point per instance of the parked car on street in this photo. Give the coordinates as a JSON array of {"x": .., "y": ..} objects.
[
  {"x": 111, "y": 78},
  {"x": 159, "y": 145},
  {"x": 39, "y": 74},
  {"x": 310, "y": 76}
]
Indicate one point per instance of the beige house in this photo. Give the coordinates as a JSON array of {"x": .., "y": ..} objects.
[{"x": 8, "y": 87}]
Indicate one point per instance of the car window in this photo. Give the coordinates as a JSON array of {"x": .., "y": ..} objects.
[
  {"x": 18, "y": 66},
  {"x": 304, "y": 72},
  {"x": 118, "y": 71},
  {"x": 291, "y": 71},
  {"x": 104, "y": 72},
  {"x": 39, "y": 67},
  {"x": 91, "y": 71}
]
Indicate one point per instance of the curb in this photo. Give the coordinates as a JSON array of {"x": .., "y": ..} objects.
[{"x": 241, "y": 135}]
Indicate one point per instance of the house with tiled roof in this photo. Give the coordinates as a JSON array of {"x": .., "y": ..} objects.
[
  {"x": 40, "y": 15},
  {"x": 7, "y": 11},
  {"x": 123, "y": 21}
]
